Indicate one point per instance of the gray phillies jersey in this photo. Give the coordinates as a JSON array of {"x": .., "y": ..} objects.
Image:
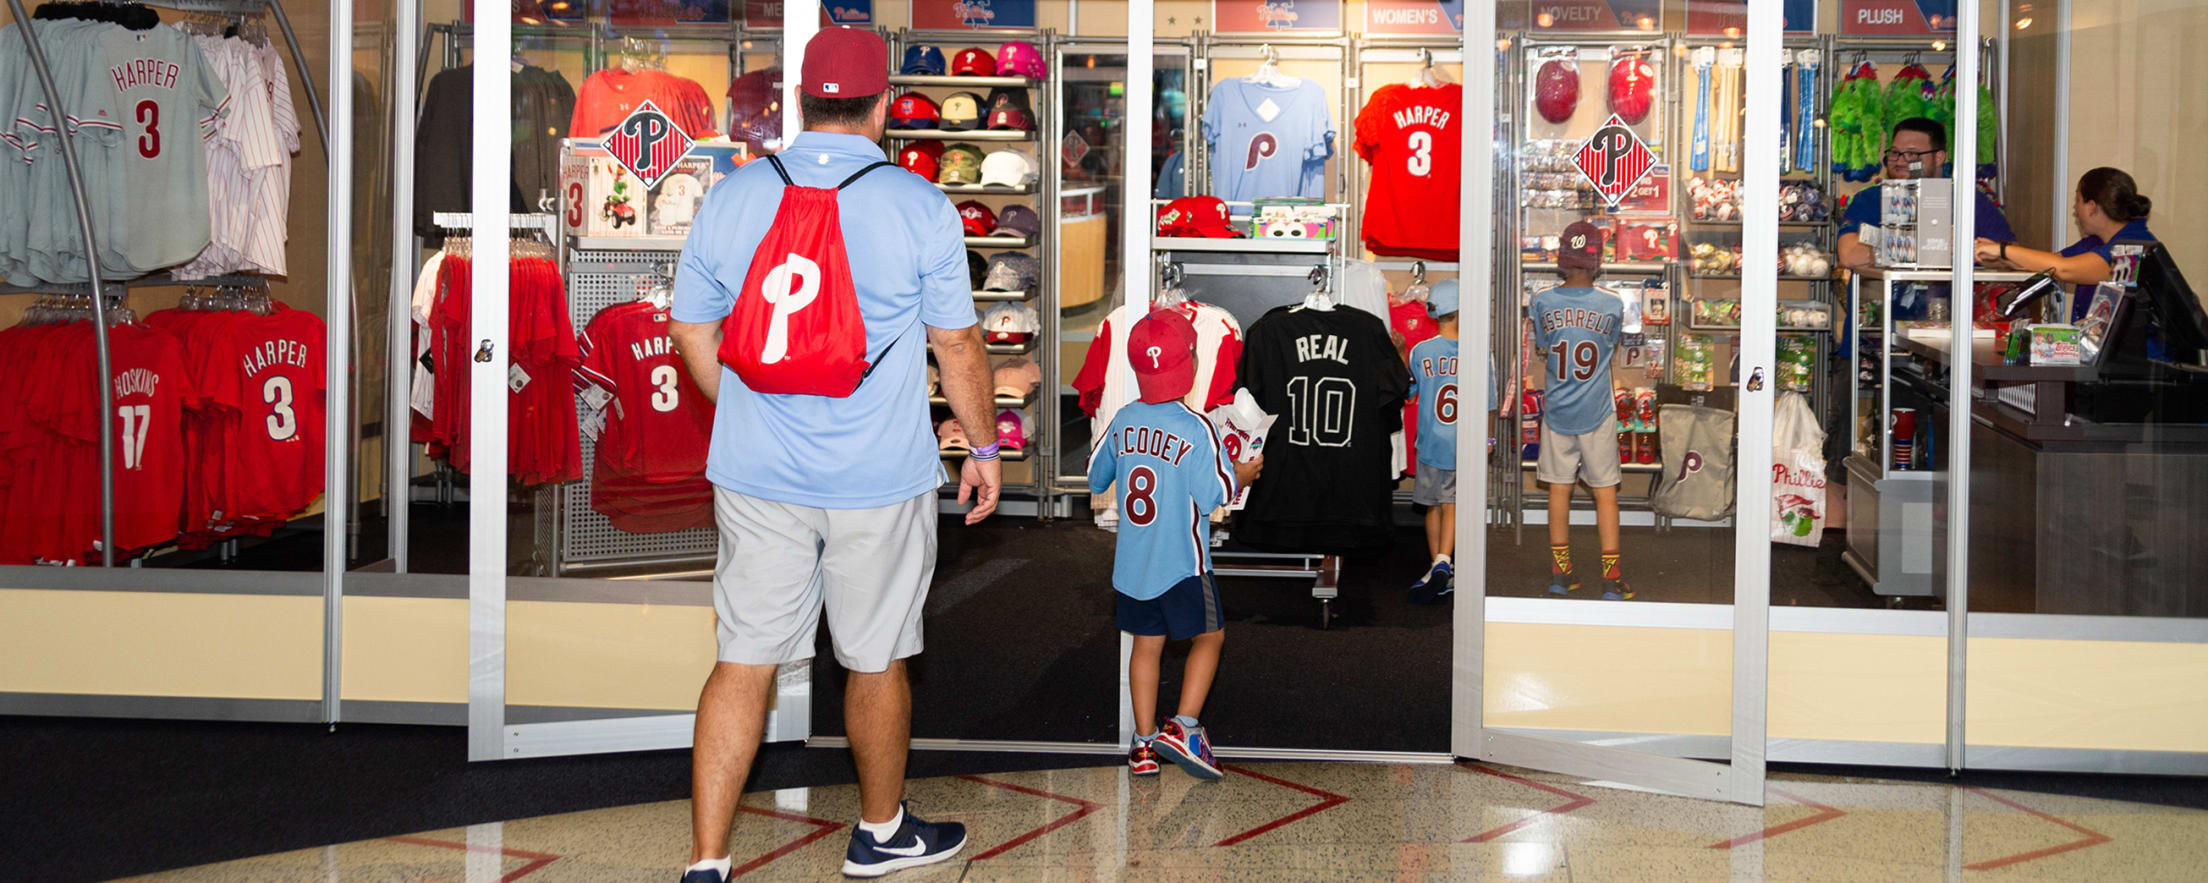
[{"x": 163, "y": 98}]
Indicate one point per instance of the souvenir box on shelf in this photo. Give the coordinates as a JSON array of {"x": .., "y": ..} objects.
[{"x": 601, "y": 197}]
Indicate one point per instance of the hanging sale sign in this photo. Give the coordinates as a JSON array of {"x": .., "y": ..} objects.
[
  {"x": 1729, "y": 18},
  {"x": 975, "y": 14},
  {"x": 1597, "y": 15},
  {"x": 1275, "y": 16},
  {"x": 1614, "y": 159},
  {"x": 1897, "y": 17},
  {"x": 768, "y": 13},
  {"x": 1411, "y": 17}
]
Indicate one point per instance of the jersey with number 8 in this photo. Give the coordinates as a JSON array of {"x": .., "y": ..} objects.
[
  {"x": 659, "y": 424},
  {"x": 269, "y": 369},
  {"x": 1171, "y": 470},
  {"x": 1411, "y": 137}
]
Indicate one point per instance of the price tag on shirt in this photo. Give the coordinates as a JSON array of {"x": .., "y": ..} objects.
[
  {"x": 591, "y": 424},
  {"x": 1268, "y": 110},
  {"x": 516, "y": 378},
  {"x": 596, "y": 397}
]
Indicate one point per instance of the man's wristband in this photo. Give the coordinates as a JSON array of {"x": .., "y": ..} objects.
[
  {"x": 985, "y": 452},
  {"x": 2004, "y": 251}
]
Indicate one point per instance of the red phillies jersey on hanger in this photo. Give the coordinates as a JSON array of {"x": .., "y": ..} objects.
[
  {"x": 1412, "y": 138},
  {"x": 150, "y": 392},
  {"x": 1412, "y": 326},
  {"x": 273, "y": 381},
  {"x": 658, "y": 424},
  {"x": 610, "y": 95}
]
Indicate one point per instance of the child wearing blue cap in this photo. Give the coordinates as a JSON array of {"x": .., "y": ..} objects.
[{"x": 1434, "y": 386}]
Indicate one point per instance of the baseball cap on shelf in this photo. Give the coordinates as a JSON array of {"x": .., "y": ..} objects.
[
  {"x": 1011, "y": 168},
  {"x": 921, "y": 158},
  {"x": 962, "y": 112},
  {"x": 1162, "y": 347},
  {"x": 1441, "y": 298},
  {"x": 926, "y": 60},
  {"x": 961, "y": 164},
  {"x": 846, "y": 62},
  {"x": 974, "y": 62},
  {"x": 1017, "y": 220},
  {"x": 1196, "y": 216},
  {"x": 1018, "y": 377},
  {"x": 977, "y": 268},
  {"x": 1010, "y": 119},
  {"x": 951, "y": 437},
  {"x": 1020, "y": 58},
  {"x": 979, "y": 220},
  {"x": 1010, "y": 324},
  {"x": 1580, "y": 248},
  {"x": 1011, "y": 271},
  {"x": 1021, "y": 115},
  {"x": 1012, "y": 429},
  {"x": 913, "y": 110}
]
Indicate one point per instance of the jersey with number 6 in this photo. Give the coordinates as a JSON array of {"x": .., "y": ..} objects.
[
  {"x": 659, "y": 424},
  {"x": 1337, "y": 382},
  {"x": 1578, "y": 330},
  {"x": 1411, "y": 136},
  {"x": 268, "y": 370},
  {"x": 1170, "y": 470},
  {"x": 1434, "y": 384}
]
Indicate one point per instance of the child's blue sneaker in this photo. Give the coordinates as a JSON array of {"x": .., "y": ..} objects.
[{"x": 1187, "y": 748}]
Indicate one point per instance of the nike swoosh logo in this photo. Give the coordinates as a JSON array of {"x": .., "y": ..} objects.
[{"x": 907, "y": 851}]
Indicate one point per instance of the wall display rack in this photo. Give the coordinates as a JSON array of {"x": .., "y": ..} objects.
[{"x": 1031, "y": 488}]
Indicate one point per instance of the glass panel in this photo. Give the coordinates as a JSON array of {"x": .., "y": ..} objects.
[
  {"x": 2093, "y": 471},
  {"x": 215, "y": 292}
]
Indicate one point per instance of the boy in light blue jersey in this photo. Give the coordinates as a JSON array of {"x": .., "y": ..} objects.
[
  {"x": 1434, "y": 385},
  {"x": 1171, "y": 470},
  {"x": 1578, "y": 329}
]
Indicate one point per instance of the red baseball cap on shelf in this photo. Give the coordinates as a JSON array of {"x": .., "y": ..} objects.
[
  {"x": 920, "y": 158},
  {"x": 1196, "y": 216},
  {"x": 913, "y": 110},
  {"x": 979, "y": 220},
  {"x": 846, "y": 62},
  {"x": 1580, "y": 248},
  {"x": 1162, "y": 347},
  {"x": 970, "y": 62}
]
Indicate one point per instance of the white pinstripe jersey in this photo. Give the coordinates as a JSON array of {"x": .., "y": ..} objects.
[{"x": 248, "y": 163}]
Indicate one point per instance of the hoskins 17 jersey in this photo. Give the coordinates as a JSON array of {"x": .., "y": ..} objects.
[
  {"x": 1171, "y": 470},
  {"x": 1411, "y": 136}
]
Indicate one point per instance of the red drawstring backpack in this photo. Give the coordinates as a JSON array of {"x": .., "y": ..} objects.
[{"x": 796, "y": 328}]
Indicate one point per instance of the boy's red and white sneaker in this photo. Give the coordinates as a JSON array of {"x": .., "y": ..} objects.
[
  {"x": 1142, "y": 760},
  {"x": 1189, "y": 749}
]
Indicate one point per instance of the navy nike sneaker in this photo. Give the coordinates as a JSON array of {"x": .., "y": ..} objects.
[
  {"x": 704, "y": 875},
  {"x": 916, "y": 843}
]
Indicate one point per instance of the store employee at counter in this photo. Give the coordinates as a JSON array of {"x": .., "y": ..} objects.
[
  {"x": 1916, "y": 149},
  {"x": 2108, "y": 209}
]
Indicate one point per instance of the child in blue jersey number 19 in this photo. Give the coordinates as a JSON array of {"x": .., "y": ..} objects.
[
  {"x": 1171, "y": 471},
  {"x": 1434, "y": 385},
  {"x": 1577, "y": 327}
]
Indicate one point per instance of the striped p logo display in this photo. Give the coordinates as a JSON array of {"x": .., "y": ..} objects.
[
  {"x": 648, "y": 143},
  {"x": 1614, "y": 159}
]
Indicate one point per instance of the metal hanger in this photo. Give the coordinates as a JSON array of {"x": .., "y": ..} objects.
[
  {"x": 1169, "y": 292},
  {"x": 1321, "y": 296}
]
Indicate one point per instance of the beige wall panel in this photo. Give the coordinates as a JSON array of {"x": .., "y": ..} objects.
[
  {"x": 2088, "y": 694},
  {"x": 161, "y": 644},
  {"x": 607, "y": 655},
  {"x": 406, "y": 649}
]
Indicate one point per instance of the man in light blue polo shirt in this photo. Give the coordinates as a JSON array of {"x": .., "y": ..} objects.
[{"x": 825, "y": 502}]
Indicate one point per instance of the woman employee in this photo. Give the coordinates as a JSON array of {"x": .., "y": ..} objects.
[{"x": 2108, "y": 209}]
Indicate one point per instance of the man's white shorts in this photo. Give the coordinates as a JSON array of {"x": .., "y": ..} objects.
[
  {"x": 1592, "y": 457},
  {"x": 780, "y": 564}
]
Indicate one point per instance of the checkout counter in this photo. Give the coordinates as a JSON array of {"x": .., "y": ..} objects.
[{"x": 2089, "y": 483}]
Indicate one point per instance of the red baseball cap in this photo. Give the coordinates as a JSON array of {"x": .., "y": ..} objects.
[
  {"x": 971, "y": 62},
  {"x": 979, "y": 220},
  {"x": 1162, "y": 347},
  {"x": 919, "y": 158},
  {"x": 913, "y": 110},
  {"x": 1196, "y": 216},
  {"x": 1580, "y": 248},
  {"x": 846, "y": 62}
]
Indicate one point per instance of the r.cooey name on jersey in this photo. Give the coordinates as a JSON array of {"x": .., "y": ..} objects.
[{"x": 1154, "y": 442}]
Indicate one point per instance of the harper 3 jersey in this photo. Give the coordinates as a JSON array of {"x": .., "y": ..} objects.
[
  {"x": 1411, "y": 136},
  {"x": 1578, "y": 328},
  {"x": 1171, "y": 470}
]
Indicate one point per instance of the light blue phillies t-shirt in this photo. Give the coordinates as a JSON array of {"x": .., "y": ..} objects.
[
  {"x": 1170, "y": 470},
  {"x": 1268, "y": 141},
  {"x": 907, "y": 250},
  {"x": 1579, "y": 328}
]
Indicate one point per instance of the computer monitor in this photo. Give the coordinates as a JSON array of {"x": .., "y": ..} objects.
[{"x": 2182, "y": 322}]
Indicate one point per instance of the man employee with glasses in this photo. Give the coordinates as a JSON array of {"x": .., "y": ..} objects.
[{"x": 1917, "y": 149}]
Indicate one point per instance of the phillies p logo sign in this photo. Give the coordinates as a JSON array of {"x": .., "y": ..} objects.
[
  {"x": 648, "y": 143},
  {"x": 1614, "y": 159}
]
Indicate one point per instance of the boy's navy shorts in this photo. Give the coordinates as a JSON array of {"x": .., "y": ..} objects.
[{"x": 1189, "y": 608}]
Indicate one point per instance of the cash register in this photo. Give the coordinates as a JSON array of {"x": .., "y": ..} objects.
[{"x": 2144, "y": 337}]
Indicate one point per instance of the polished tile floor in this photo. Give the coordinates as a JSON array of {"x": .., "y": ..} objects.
[{"x": 1331, "y": 821}]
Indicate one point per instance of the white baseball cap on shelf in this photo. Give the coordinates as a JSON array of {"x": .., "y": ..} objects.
[
  {"x": 1010, "y": 168},
  {"x": 1010, "y": 323}
]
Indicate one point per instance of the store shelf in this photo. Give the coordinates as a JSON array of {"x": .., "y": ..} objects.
[
  {"x": 1002, "y": 401},
  {"x": 1783, "y": 225},
  {"x": 1783, "y": 277},
  {"x": 1735, "y": 329},
  {"x": 1637, "y": 468},
  {"x": 1009, "y": 349},
  {"x": 1000, "y": 297},
  {"x": 1638, "y": 269},
  {"x": 1000, "y": 241},
  {"x": 1242, "y": 246},
  {"x": 947, "y": 135},
  {"x": 956, "y": 80},
  {"x": 1009, "y": 455},
  {"x": 986, "y": 189},
  {"x": 628, "y": 243}
]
